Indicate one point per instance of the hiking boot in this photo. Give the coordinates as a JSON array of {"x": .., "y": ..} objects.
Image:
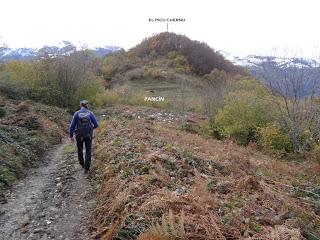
[
  {"x": 82, "y": 164},
  {"x": 86, "y": 171}
]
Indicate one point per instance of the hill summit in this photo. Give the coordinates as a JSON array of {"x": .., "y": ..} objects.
[{"x": 201, "y": 57}]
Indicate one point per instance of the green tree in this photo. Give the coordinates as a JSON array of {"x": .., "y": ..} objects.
[{"x": 247, "y": 107}]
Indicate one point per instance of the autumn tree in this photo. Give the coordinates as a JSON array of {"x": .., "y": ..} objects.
[
  {"x": 295, "y": 84},
  {"x": 213, "y": 89}
]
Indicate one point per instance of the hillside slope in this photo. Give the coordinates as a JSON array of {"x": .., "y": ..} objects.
[
  {"x": 200, "y": 56},
  {"x": 161, "y": 182},
  {"x": 168, "y": 65},
  {"x": 27, "y": 129},
  {"x": 163, "y": 57}
]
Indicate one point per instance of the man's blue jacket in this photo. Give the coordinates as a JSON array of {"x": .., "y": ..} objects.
[{"x": 74, "y": 122}]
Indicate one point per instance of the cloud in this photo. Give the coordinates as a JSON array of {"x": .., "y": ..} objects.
[{"x": 239, "y": 27}]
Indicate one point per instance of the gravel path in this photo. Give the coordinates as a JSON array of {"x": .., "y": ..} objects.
[{"x": 52, "y": 202}]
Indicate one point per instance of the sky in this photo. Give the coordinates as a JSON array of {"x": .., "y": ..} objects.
[{"x": 238, "y": 27}]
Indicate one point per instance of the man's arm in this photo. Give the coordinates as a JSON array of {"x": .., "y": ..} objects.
[
  {"x": 73, "y": 124},
  {"x": 94, "y": 120}
]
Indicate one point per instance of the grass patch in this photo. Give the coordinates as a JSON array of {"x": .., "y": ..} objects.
[{"x": 69, "y": 149}]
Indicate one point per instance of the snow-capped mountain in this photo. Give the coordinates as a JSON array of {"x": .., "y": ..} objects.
[
  {"x": 281, "y": 73},
  {"x": 253, "y": 60},
  {"x": 18, "y": 54},
  {"x": 63, "y": 48}
]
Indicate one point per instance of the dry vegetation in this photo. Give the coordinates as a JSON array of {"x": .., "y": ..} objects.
[
  {"x": 172, "y": 66},
  {"x": 27, "y": 129},
  {"x": 163, "y": 176},
  {"x": 161, "y": 182}
]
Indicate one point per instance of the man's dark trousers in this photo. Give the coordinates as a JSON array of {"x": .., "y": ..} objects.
[{"x": 88, "y": 144}]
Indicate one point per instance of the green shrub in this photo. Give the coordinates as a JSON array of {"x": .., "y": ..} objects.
[
  {"x": 247, "y": 108},
  {"x": 213, "y": 129},
  {"x": 155, "y": 73},
  {"x": 179, "y": 62},
  {"x": 189, "y": 127},
  {"x": 90, "y": 90},
  {"x": 117, "y": 63},
  {"x": 273, "y": 139},
  {"x": 2, "y": 112},
  {"x": 315, "y": 153},
  {"x": 13, "y": 89},
  {"x": 135, "y": 74}
]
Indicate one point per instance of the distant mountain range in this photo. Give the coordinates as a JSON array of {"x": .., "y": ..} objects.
[
  {"x": 290, "y": 76},
  {"x": 255, "y": 60},
  {"x": 64, "y": 48}
]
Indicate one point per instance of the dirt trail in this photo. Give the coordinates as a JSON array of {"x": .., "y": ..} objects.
[{"x": 52, "y": 202}]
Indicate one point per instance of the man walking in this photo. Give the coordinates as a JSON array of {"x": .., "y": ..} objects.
[{"x": 83, "y": 123}]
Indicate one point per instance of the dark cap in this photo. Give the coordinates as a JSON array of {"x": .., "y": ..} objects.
[{"x": 84, "y": 102}]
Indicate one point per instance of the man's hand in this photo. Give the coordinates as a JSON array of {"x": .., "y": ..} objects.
[{"x": 72, "y": 139}]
